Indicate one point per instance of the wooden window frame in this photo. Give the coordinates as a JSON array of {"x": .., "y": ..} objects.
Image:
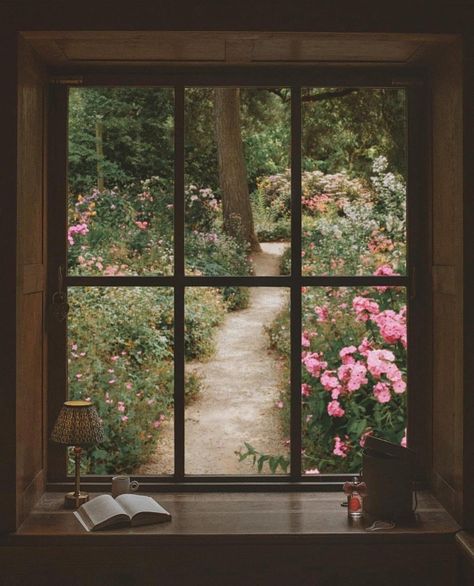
[{"x": 417, "y": 281}]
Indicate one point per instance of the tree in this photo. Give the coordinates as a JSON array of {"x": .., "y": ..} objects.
[{"x": 236, "y": 207}]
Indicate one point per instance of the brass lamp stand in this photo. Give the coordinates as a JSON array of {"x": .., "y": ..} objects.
[
  {"x": 78, "y": 424},
  {"x": 74, "y": 499}
]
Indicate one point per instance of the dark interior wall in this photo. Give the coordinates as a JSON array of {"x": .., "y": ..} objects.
[
  {"x": 8, "y": 214},
  {"x": 413, "y": 16},
  {"x": 30, "y": 280},
  {"x": 468, "y": 281},
  {"x": 447, "y": 185}
]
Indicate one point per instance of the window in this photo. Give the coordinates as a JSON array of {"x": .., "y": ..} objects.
[{"x": 149, "y": 278}]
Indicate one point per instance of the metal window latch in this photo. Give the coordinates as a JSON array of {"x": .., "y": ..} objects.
[{"x": 59, "y": 304}]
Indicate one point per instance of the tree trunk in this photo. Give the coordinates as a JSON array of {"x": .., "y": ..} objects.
[{"x": 237, "y": 211}]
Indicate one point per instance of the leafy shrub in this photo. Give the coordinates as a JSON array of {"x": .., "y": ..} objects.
[
  {"x": 120, "y": 342},
  {"x": 269, "y": 227},
  {"x": 216, "y": 254},
  {"x": 353, "y": 372},
  {"x": 202, "y": 209},
  {"x": 122, "y": 232}
]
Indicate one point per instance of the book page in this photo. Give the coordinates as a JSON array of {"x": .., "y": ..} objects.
[
  {"x": 133, "y": 504},
  {"x": 100, "y": 509}
]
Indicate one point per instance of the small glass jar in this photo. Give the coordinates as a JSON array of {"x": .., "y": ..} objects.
[{"x": 355, "y": 492}]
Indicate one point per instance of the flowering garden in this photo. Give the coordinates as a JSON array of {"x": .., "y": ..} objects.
[
  {"x": 353, "y": 347},
  {"x": 121, "y": 339}
]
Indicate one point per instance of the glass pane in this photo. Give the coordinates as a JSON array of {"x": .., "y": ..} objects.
[
  {"x": 236, "y": 421},
  {"x": 354, "y": 364},
  {"x": 120, "y": 345},
  {"x": 237, "y": 181},
  {"x": 121, "y": 181},
  {"x": 354, "y": 181}
]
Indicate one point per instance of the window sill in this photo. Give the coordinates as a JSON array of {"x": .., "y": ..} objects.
[{"x": 229, "y": 518}]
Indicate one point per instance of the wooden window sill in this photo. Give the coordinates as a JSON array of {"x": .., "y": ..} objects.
[{"x": 264, "y": 518}]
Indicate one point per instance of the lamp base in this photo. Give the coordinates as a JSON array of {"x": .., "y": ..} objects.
[{"x": 71, "y": 501}]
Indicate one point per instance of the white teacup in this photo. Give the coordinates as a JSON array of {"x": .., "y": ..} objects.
[{"x": 123, "y": 485}]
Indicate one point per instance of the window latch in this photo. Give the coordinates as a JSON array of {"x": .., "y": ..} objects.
[{"x": 59, "y": 305}]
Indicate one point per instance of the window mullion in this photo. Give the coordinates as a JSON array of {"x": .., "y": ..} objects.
[
  {"x": 295, "y": 307},
  {"x": 179, "y": 284}
]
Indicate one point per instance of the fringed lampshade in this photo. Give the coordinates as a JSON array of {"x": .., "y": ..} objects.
[{"x": 78, "y": 424}]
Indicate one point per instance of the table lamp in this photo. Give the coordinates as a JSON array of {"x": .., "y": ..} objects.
[{"x": 78, "y": 424}]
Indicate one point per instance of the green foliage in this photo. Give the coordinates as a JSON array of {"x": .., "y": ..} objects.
[
  {"x": 137, "y": 135},
  {"x": 120, "y": 344},
  {"x": 259, "y": 460},
  {"x": 348, "y": 132},
  {"x": 204, "y": 311},
  {"x": 349, "y": 226},
  {"x": 217, "y": 254}
]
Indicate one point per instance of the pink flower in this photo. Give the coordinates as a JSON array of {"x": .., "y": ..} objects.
[
  {"x": 305, "y": 390},
  {"x": 313, "y": 363},
  {"x": 156, "y": 423},
  {"x": 279, "y": 404},
  {"x": 312, "y": 471},
  {"x": 346, "y": 354},
  {"x": 305, "y": 341},
  {"x": 329, "y": 380},
  {"x": 335, "y": 409},
  {"x": 340, "y": 448},
  {"x": 399, "y": 386},
  {"x": 382, "y": 393},
  {"x": 110, "y": 370},
  {"x": 81, "y": 229},
  {"x": 124, "y": 418},
  {"x": 78, "y": 375},
  {"x": 363, "y": 437},
  {"x": 392, "y": 326},
  {"x": 364, "y": 307},
  {"x": 142, "y": 225},
  {"x": 385, "y": 270},
  {"x": 336, "y": 392},
  {"x": 128, "y": 386},
  {"x": 404, "y": 439},
  {"x": 353, "y": 375},
  {"x": 114, "y": 358},
  {"x": 322, "y": 313},
  {"x": 364, "y": 347},
  {"x": 121, "y": 407},
  {"x": 378, "y": 361},
  {"x": 112, "y": 381}
]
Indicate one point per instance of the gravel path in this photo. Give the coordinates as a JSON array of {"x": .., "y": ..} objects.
[{"x": 240, "y": 388}]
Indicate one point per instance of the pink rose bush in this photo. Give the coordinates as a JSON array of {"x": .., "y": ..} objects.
[
  {"x": 353, "y": 373},
  {"x": 354, "y": 370}
]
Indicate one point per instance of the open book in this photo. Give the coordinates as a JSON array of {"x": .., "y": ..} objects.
[{"x": 127, "y": 509}]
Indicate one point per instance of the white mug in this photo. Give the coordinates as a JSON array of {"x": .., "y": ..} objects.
[{"x": 123, "y": 485}]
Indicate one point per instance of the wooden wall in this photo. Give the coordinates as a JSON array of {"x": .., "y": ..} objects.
[
  {"x": 447, "y": 165},
  {"x": 30, "y": 281},
  {"x": 8, "y": 274},
  {"x": 239, "y": 564}
]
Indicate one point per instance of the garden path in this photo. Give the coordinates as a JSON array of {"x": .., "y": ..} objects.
[{"x": 240, "y": 388}]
